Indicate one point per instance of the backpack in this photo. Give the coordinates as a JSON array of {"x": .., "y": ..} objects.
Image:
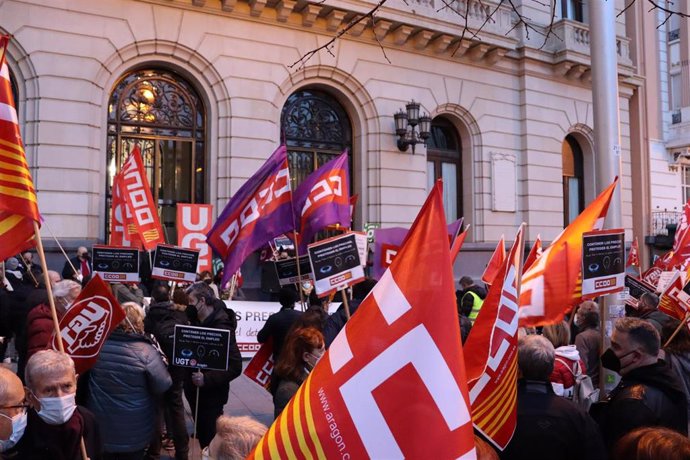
[{"x": 584, "y": 393}]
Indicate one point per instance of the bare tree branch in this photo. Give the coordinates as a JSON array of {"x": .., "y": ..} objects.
[{"x": 299, "y": 63}]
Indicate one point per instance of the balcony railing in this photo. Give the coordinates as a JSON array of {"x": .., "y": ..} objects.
[
  {"x": 661, "y": 221},
  {"x": 676, "y": 117},
  {"x": 573, "y": 36},
  {"x": 674, "y": 35}
]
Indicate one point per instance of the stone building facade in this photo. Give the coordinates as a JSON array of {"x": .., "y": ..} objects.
[{"x": 209, "y": 89}]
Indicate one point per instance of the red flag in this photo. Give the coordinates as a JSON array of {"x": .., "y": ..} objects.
[
  {"x": 497, "y": 260},
  {"x": 548, "y": 287},
  {"x": 534, "y": 254},
  {"x": 18, "y": 202},
  {"x": 491, "y": 353},
  {"x": 137, "y": 195},
  {"x": 123, "y": 232},
  {"x": 669, "y": 302},
  {"x": 193, "y": 222},
  {"x": 88, "y": 323},
  {"x": 260, "y": 367},
  {"x": 457, "y": 245},
  {"x": 633, "y": 256},
  {"x": 392, "y": 384}
]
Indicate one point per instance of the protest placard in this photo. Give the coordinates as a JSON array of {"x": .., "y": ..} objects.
[
  {"x": 335, "y": 264},
  {"x": 116, "y": 264},
  {"x": 175, "y": 264},
  {"x": 638, "y": 287},
  {"x": 286, "y": 270},
  {"x": 603, "y": 262},
  {"x": 201, "y": 347}
]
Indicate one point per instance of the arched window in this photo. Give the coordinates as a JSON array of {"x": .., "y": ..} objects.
[
  {"x": 164, "y": 115},
  {"x": 444, "y": 161},
  {"x": 573, "y": 180},
  {"x": 315, "y": 128}
]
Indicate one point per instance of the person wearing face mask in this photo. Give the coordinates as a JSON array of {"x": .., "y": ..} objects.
[
  {"x": 81, "y": 263},
  {"x": 13, "y": 414},
  {"x": 588, "y": 340},
  {"x": 302, "y": 350},
  {"x": 205, "y": 310},
  {"x": 56, "y": 424},
  {"x": 207, "y": 278},
  {"x": 649, "y": 393}
]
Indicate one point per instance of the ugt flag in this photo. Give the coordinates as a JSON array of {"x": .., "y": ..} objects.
[
  {"x": 392, "y": 385},
  {"x": 88, "y": 323},
  {"x": 18, "y": 203},
  {"x": 323, "y": 199},
  {"x": 549, "y": 286},
  {"x": 491, "y": 353},
  {"x": 260, "y": 210}
]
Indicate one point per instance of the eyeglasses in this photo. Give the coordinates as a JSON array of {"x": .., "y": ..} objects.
[{"x": 23, "y": 407}]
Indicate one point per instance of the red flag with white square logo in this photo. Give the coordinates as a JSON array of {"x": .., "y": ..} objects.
[
  {"x": 88, "y": 323},
  {"x": 392, "y": 384}
]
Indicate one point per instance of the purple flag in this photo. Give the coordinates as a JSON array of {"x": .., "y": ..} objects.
[
  {"x": 323, "y": 199},
  {"x": 260, "y": 210},
  {"x": 388, "y": 241}
]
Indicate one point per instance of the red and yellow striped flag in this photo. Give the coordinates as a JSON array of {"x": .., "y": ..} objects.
[
  {"x": 18, "y": 203},
  {"x": 491, "y": 353}
]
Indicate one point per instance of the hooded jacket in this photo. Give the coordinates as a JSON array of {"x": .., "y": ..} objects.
[
  {"x": 567, "y": 365},
  {"x": 646, "y": 396}
]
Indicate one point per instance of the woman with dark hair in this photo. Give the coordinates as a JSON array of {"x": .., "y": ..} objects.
[
  {"x": 652, "y": 443},
  {"x": 301, "y": 351}
]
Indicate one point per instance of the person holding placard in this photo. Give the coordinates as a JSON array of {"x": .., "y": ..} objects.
[{"x": 205, "y": 310}]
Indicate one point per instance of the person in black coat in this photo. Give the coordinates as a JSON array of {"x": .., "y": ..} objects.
[
  {"x": 649, "y": 393},
  {"x": 549, "y": 427},
  {"x": 205, "y": 310},
  {"x": 278, "y": 324},
  {"x": 162, "y": 317},
  {"x": 81, "y": 263}
]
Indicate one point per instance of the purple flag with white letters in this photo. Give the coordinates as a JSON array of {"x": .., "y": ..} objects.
[
  {"x": 388, "y": 241},
  {"x": 323, "y": 199},
  {"x": 260, "y": 210}
]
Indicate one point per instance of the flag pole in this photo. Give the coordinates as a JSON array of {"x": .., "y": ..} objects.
[
  {"x": 45, "y": 222},
  {"x": 680, "y": 326},
  {"x": 28, "y": 270},
  {"x": 347, "y": 305},
  {"x": 299, "y": 271},
  {"x": 49, "y": 288}
]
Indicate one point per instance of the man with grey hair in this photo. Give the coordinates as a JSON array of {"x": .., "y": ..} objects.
[
  {"x": 649, "y": 393},
  {"x": 235, "y": 438},
  {"x": 56, "y": 425},
  {"x": 549, "y": 427}
]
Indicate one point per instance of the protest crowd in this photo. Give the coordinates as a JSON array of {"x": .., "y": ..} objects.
[{"x": 530, "y": 361}]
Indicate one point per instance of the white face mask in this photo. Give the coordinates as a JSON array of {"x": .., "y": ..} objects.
[
  {"x": 56, "y": 411},
  {"x": 18, "y": 427}
]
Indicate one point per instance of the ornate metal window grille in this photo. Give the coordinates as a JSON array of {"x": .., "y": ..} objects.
[
  {"x": 164, "y": 115},
  {"x": 315, "y": 129},
  {"x": 15, "y": 91}
]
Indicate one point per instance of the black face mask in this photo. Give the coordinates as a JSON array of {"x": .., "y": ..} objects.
[
  {"x": 192, "y": 312},
  {"x": 630, "y": 311},
  {"x": 610, "y": 360},
  {"x": 208, "y": 281}
]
